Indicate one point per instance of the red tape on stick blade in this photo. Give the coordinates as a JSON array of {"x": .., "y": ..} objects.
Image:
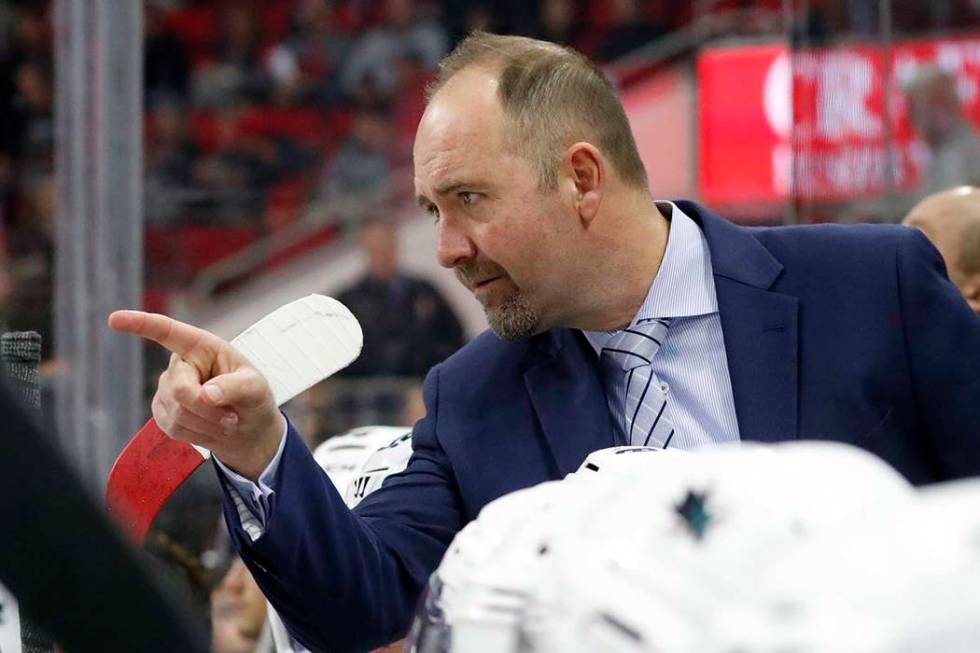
[{"x": 144, "y": 477}]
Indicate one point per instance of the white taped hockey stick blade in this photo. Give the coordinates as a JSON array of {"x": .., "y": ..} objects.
[{"x": 300, "y": 344}]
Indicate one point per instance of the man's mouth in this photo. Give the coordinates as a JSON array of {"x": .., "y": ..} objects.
[
  {"x": 484, "y": 283},
  {"x": 476, "y": 278}
]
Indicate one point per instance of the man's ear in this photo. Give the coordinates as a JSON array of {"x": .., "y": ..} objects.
[{"x": 587, "y": 171}]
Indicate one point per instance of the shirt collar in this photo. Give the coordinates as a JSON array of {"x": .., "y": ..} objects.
[{"x": 684, "y": 286}]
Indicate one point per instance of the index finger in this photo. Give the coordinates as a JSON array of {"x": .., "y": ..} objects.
[{"x": 178, "y": 337}]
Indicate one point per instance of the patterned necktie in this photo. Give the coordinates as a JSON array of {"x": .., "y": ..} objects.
[{"x": 633, "y": 390}]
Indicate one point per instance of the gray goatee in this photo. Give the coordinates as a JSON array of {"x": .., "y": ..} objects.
[{"x": 514, "y": 318}]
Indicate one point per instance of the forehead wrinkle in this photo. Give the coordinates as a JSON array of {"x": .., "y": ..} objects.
[
  {"x": 428, "y": 168},
  {"x": 453, "y": 184},
  {"x": 442, "y": 169}
]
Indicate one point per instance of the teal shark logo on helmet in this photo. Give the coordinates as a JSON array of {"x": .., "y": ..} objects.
[{"x": 694, "y": 513}]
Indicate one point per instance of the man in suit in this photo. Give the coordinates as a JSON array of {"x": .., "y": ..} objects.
[{"x": 615, "y": 319}]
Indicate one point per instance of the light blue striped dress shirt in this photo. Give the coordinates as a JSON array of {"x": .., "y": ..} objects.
[{"x": 691, "y": 365}]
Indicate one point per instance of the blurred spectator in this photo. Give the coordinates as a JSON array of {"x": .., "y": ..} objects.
[
  {"x": 31, "y": 118},
  {"x": 935, "y": 110},
  {"x": 408, "y": 326},
  {"x": 166, "y": 69},
  {"x": 506, "y": 16},
  {"x": 358, "y": 176},
  {"x": 478, "y": 16},
  {"x": 940, "y": 13},
  {"x": 6, "y": 289},
  {"x": 30, "y": 245},
  {"x": 414, "y": 405},
  {"x": 631, "y": 28},
  {"x": 407, "y": 107},
  {"x": 817, "y": 22},
  {"x": 231, "y": 174},
  {"x": 236, "y": 73},
  {"x": 306, "y": 62},
  {"x": 951, "y": 220},
  {"x": 26, "y": 160},
  {"x": 8, "y": 188},
  {"x": 169, "y": 164},
  {"x": 30, "y": 23},
  {"x": 863, "y": 16},
  {"x": 242, "y": 166},
  {"x": 189, "y": 535},
  {"x": 307, "y": 410},
  {"x": 373, "y": 58},
  {"x": 560, "y": 21},
  {"x": 28, "y": 42},
  {"x": 238, "y": 614}
]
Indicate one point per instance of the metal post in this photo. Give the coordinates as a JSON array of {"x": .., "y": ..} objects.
[
  {"x": 796, "y": 33},
  {"x": 886, "y": 52},
  {"x": 99, "y": 226}
]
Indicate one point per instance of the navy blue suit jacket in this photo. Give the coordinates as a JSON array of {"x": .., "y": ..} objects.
[{"x": 849, "y": 333}]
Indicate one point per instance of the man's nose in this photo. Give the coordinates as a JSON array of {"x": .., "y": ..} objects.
[{"x": 454, "y": 246}]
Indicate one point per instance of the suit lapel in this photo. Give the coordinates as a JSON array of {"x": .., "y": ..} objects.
[
  {"x": 569, "y": 400},
  {"x": 760, "y": 329}
]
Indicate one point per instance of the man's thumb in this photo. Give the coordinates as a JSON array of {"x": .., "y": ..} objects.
[{"x": 243, "y": 386}]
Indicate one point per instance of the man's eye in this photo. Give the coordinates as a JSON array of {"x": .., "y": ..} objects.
[
  {"x": 433, "y": 210},
  {"x": 467, "y": 198}
]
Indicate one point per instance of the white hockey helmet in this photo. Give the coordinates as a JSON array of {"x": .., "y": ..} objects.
[
  {"x": 389, "y": 458},
  {"x": 620, "y": 460},
  {"x": 686, "y": 541},
  {"x": 476, "y": 597},
  {"x": 343, "y": 456},
  {"x": 904, "y": 580}
]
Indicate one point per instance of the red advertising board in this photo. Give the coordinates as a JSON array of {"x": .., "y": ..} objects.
[{"x": 814, "y": 124}]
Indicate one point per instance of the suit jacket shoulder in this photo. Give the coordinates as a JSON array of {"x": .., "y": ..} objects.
[{"x": 851, "y": 333}]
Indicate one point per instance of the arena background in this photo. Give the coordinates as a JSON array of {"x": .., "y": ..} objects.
[{"x": 213, "y": 160}]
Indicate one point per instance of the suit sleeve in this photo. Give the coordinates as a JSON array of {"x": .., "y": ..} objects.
[
  {"x": 348, "y": 581},
  {"x": 942, "y": 339}
]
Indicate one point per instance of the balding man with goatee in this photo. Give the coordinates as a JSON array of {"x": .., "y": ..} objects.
[
  {"x": 951, "y": 220},
  {"x": 616, "y": 319}
]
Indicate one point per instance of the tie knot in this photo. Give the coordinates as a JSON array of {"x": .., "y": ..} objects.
[{"x": 637, "y": 345}]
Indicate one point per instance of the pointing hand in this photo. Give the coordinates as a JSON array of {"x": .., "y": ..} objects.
[{"x": 210, "y": 395}]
